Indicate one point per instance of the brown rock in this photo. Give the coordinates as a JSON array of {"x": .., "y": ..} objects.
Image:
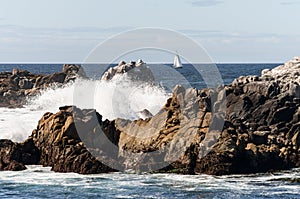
[
  {"x": 296, "y": 140},
  {"x": 16, "y": 86},
  {"x": 260, "y": 132},
  {"x": 60, "y": 146},
  {"x": 10, "y": 156}
]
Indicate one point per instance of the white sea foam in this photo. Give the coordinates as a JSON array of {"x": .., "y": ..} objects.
[
  {"x": 119, "y": 98},
  {"x": 37, "y": 180}
]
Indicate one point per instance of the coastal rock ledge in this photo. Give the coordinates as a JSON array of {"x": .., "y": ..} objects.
[
  {"x": 261, "y": 132},
  {"x": 17, "y": 85}
]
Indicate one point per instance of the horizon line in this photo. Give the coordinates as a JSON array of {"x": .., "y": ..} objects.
[{"x": 145, "y": 62}]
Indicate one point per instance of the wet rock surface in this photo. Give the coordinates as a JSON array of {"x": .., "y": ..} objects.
[
  {"x": 14, "y": 156},
  {"x": 55, "y": 143},
  {"x": 60, "y": 146},
  {"x": 15, "y": 86},
  {"x": 249, "y": 126}
]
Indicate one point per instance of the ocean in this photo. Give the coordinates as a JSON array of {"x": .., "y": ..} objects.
[
  {"x": 228, "y": 71},
  {"x": 40, "y": 182}
]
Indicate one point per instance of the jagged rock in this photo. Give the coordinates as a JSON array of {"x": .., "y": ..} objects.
[
  {"x": 260, "y": 132},
  {"x": 25, "y": 84},
  {"x": 14, "y": 156},
  {"x": 55, "y": 143},
  {"x": 172, "y": 134},
  {"x": 72, "y": 71},
  {"x": 16, "y": 86},
  {"x": 60, "y": 146},
  {"x": 135, "y": 71},
  {"x": 266, "y": 111},
  {"x": 10, "y": 156}
]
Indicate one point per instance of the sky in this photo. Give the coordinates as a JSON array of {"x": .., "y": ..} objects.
[{"x": 229, "y": 30}]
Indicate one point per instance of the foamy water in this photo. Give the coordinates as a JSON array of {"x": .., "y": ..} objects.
[
  {"x": 119, "y": 98},
  {"x": 40, "y": 182}
]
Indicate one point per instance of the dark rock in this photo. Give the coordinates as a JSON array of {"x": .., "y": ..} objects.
[
  {"x": 25, "y": 84},
  {"x": 16, "y": 86},
  {"x": 260, "y": 137},
  {"x": 14, "y": 156},
  {"x": 72, "y": 71},
  {"x": 30, "y": 153},
  {"x": 284, "y": 114},
  {"x": 293, "y": 130},
  {"x": 10, "y": 156},
  {"x": 20, "y": 73},
  {"x": 60, "y": 146},
  {"x": 261, "y": 131},
  {"x": 56, "y": 77}
]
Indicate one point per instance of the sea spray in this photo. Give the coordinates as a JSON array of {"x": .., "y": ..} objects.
[
  {"x": 122, "y": 98},
  {"x": 118, "y": 98}
]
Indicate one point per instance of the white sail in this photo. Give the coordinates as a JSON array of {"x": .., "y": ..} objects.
[{"x": 177, "y": 62}]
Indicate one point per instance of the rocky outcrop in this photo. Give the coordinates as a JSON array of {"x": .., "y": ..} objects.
[
  {"x": 260, "y": 132},
  {"x": 14, "y": 156},
  {"x": 60, "y": 146},
  {"x": 136, "y": 71},
  {"x": 56, "y": 143},
  {"x": 249, "y": 126},
  {"x": 169, "y": 135},
  {"x": 15, "y": 86},
  {"x": 263, "y": 118}
]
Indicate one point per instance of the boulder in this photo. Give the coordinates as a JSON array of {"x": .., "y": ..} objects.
[
  {"x": 10, "y": 156},
  {"x": 60, "y": 146},
  {"x": 14, "y": 156},
  {"x": 73, "y": 71}
]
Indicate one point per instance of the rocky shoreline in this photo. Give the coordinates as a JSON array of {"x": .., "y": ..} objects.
[
  {"x": 18, "y": 85},
  {"x": 261, "y": 131}
]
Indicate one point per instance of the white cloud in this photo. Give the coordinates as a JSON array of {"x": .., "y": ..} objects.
[
  {"x": 9, "y": 40},
  {"x": 23, "y": 44},
  {"x": 27, "y": 44},
  {"x": 206, "y": 3},
  {"x": 288, "y": 3}
]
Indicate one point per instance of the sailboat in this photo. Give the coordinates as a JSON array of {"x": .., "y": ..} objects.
[{"x": 177, "y": 62}]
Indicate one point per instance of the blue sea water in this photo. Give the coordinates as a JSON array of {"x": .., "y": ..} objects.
[
  {"x": 40, "y": 182},
  {"x": 228, "y": 71}
]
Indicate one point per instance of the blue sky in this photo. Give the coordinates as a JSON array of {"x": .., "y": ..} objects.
[{"x": 229, "y": 30}]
